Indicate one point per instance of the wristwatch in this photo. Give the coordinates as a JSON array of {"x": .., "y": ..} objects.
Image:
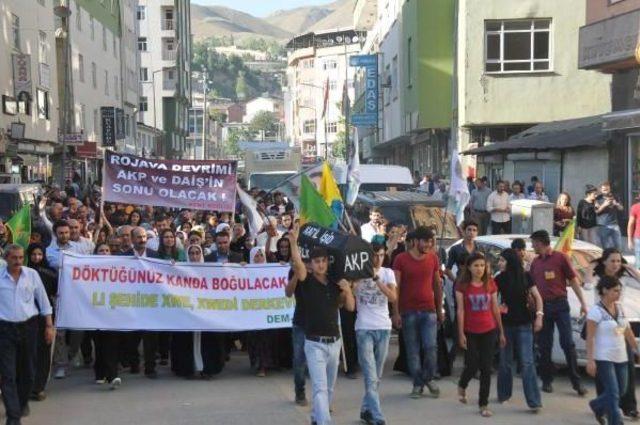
[{"x": 539, "y": 313}]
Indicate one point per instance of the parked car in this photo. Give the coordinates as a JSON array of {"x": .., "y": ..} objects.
[
  {"x": 582, "y": 256},
  {"x": 15, "y": 196}
]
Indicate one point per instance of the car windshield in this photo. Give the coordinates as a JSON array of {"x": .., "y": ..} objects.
[{"x": 9, "y": 204}]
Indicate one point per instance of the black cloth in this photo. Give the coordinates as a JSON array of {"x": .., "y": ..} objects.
[
  {"x": 514, "y": 295},
  {"x": 348, "y": 322},
  {"x": 18, "y": 344},
  {"x": 149, "y": 344},
  {"x": 479, "y": 356},
  {"x": 107, "y": 346},
  {"x": 457, "y": 253},
  {"x": 500, "y": 228},
  {"x": 586, "y": 215},
  {"x": 321, "y": 307},
  {"x": 608, "y": 216},
  {"x": 212, "y": 349},
  {"x": 234, "y": 257},
  {"x": 298, "y": 312}
]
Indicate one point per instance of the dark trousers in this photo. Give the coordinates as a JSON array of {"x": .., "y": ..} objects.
[
  {"x": 348, "y": 323},
  {"x": 18, "y": 344},
  {"x": 43, "y": 359},
  {"x": 556, "y": 313},
  {"x": 479, "y": 356},
  {"x": 628, "y": 402},
  {"x": 107, "y": 345},
  {"x": 150, "y": 346},
  {"x": 86, "y": 347},
  {"x": 500, "y": 228},
  {"x": 164, "y": 342}
]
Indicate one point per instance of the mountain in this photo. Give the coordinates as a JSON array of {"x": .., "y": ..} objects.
[{"x": 218, "y": 21}]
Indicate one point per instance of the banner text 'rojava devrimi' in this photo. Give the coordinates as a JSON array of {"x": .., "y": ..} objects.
[{"x": 204, "y": 185}]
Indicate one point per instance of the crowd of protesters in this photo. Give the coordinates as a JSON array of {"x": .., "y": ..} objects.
[{"x": 509, "y": 308}]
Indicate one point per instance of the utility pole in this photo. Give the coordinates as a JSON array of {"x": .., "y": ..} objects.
[{"x": 64, "y": 12}]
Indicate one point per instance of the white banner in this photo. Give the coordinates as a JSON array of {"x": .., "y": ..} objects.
[{"x": 128, "y": 293}]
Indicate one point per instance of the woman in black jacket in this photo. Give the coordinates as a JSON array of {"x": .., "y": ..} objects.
[
  {"x": 37, "y": 260},
  {"x": 586, "y": 216}
]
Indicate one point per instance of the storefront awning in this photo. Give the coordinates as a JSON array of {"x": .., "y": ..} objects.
[
  {"x": 552, "y": 136},
  {"x": 622, "y": 120},
  {"x": 28, "y": 160},
  {"x": 393, "y": 142}
]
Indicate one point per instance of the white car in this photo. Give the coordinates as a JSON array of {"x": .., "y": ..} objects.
[{"x": 582, "y": 255}]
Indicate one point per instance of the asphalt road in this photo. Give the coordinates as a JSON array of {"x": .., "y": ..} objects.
[{"x": 237, "y": 397}]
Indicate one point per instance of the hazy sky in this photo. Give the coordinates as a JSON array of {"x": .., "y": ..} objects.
[{"x": 261, "y": 7}]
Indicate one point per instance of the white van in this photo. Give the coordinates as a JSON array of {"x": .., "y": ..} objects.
[{"x": 377, "y": 177}]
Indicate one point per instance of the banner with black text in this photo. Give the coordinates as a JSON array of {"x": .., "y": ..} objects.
[{"x": 129, "y": 293}]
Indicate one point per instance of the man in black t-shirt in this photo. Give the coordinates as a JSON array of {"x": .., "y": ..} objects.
[{"x": 322, "y": 298}]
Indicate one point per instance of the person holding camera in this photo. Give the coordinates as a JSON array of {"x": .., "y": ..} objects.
[{"x": 607, "y": 209}]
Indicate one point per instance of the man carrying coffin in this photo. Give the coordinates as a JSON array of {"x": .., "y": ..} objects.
[{"x": 322, "y": 298}]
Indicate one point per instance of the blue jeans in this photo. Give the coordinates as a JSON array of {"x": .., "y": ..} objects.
[
  {"x": 613, "y": 378},
  {"x": 636, "y": 245},
  {"x": 373, "y": 346},
  {"x": 322, "y": 361},
  {"x": 556, "y": 313},
  {"x": 420, "y": 329},
  {"x": 299, "y": 360},
  {"x": 610, "y": 236},
  {"x": 522, "y": 338}
]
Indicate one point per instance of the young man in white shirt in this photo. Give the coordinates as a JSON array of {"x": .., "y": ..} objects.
[
  {"x": 500, "y": 209},
  {"x": 374, "y": 227},
  {"x": 373, "y": 329}
]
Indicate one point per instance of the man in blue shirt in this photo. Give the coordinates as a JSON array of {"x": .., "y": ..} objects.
[{"x": 22, "y": 299}]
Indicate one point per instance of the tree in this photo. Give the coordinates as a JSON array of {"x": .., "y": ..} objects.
[
  {"x": 241, "y": 87},
  {"x": 236, "y": 135},
  {"x": 264, "y": 123},
  {"x": 339, "y": 147}
]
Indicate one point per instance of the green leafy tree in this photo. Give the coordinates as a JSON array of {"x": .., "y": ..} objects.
[{"x": 264, "y": 123}]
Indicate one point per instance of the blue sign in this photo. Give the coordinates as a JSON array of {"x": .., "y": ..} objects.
[{"x": 369, "y": 117}]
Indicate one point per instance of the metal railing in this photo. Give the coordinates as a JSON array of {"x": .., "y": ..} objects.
[
  {"x": 168, "y": 24},
  {"x": 168, "y": 55}
]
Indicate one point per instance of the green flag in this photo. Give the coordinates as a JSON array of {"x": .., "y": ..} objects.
[
  {"x": 313, "y": 208},
  {"x": 20, "y": 226}
]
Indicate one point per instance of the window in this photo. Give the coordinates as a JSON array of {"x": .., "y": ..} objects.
[
  {"x": 309, "y": 127},
  {"x": 387, "y": 84},
  {"x": 116, "y": 87},
  {"x": 106, "y": 82},
  {"x": 15, "y": 29},
  {"x": 94, "y": 75},
  {"x": 43, "y": 47},
  {"x": 330, "y": 64},
  {"x": 144, "y": 104},
  {"x": 81, "y": 68},
  {"x": 83, "y": 117},
  {"x": 409, "y": 62},
  {"x": 144, "y": 74},
  {"x": 141, "y": 13},
  {"x": 78, "y": 16},
  {"x": 43, "y": 104},
  {"x": 307, "y": 64},
  {"x": 142, "y": 44},
  {"x": 92, "y": 27},
  {"x": 95, "y": 121},
  {"x": 518, "y": 46},
  {"x": 104, "y": 38},
  {"x": 332, "y": 127},
  {"x": 333, "y": 85}
]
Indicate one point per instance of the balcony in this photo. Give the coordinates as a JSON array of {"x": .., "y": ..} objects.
[
  {"x": 169, "y": 84},
  {"x": 168, "y": 25},
  {"x": 364, "y": 14},
  {"x": 169, "y": 55}
]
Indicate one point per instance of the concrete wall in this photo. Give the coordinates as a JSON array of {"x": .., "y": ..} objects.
[
  {"x": 392, "y": 57},
  {"x": 527, "y": 98},
  {"x": 598, "y": 10},
  {"x": 588, "y": 166}
]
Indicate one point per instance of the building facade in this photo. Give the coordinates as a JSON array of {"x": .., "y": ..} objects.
[
  {"x": 608, "y": 45},
  {"x": 28, "y": 89},
  {"x": 130, "y": 71},
  {"x": 164, "y": 42},
  {"x": 318, "y": 64},
  {"x": 525, "y": 74}
]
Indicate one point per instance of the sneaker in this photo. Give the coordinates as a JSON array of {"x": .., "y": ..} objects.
[
  {"x": 60, "y": 373},
  {"x": 41, "y": 396},
  {"x": 535, "y": 409},
  {"x": 100, "y": 381},
  {"x": 301, "y": 399},
  {"x": 26, "y": 411},
  {"x": 416, "y": 392},
  {"x": 115, "y": 383},
  {"x": 366, "y": 417},
  {"x": 547, "y": 388},
  {"x": 633, "y": 414},
  {"x": 433, "y": 389}
]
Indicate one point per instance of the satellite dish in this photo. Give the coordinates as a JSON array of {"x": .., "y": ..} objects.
[
  {"x": 347, "y": 40},
  {"x": 355, "y": 39},
  {"x": 339, "y": 39}
]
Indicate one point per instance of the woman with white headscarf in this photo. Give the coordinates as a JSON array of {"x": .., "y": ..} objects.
[
  {"x": 261, "y": 344},
  {"x": 196, "y": 354}
]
